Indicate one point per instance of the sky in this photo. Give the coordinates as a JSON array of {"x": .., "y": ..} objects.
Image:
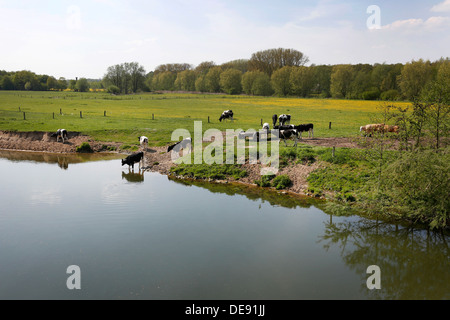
[{"x": 83, "y": 38}]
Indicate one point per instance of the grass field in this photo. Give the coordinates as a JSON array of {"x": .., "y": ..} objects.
[{"x": 128, "y": 117}]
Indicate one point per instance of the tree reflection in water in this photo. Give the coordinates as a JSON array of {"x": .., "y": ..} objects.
[{"x": 414, "y": 263}]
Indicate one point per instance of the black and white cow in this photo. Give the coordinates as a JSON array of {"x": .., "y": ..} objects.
[
  {"x": 285, "y": 119},
  {"x": 274, "y": 120},
  {"x": 284, "y": 127},
  {"x": 289, "y": 134},
  {"x": 228, "y": 114},
  {"x": 132, "y": 159},
  {"x": 305, "y": 128},
  {"x": 183, "y": 144},
  {"x": 266, "y": 127},
  {"x": 143, "y": 140},
  {"x": 61, "y": 133}
]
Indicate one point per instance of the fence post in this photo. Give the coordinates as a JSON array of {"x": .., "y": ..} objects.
[
  {"x": 24, "y": 118},
  {"x": 329, "y": 126},
  {"x": 60, "y": 111},
  {"x": 333, "y": 153},
  {"x": 153, "y": 116},
  {"x": 208, "y": 119},
  {"x": 104, "y": 114},
  {"x": 81, "y": 114}
]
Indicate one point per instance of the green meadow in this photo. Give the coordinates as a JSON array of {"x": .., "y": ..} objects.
[{"x": 158, "y": 115}]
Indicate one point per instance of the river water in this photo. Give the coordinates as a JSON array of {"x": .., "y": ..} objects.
[{"x": 145, "y": 236}]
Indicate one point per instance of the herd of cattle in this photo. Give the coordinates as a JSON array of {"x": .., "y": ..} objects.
[{"x": 285, "y": 129}]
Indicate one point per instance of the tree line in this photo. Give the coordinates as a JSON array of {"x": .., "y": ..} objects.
[
  {"x": 30, "y": 81},
  {"x": 280, "y": 72}
]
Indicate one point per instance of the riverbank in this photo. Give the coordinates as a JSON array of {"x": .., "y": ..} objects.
[{"x": 157, "y": 159}]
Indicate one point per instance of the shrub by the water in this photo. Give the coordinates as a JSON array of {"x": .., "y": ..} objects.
[{"x": 85, "y": 147}]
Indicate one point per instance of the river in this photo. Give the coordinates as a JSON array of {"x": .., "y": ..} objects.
[{"x": 147, "y": 236}]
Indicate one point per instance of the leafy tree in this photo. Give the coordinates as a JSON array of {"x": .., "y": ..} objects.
[
  {"x": 302, "y": 81},
  {"x": 186, "y": 80},
  {"x": 240, "y": 64},
  {"x": 230, "y": 81},
  {"x": 281, "y": 83},
  {"x": 212, "y": 79},
  {"x": 204, "y": 67},
  {"x": 437, "y": 95},
  {"x": 52, "y": 83},
  {"x": 322, "y": 80},
  {"x": 82, "y": 85},
  {"x": 62, "y": 83},
  {"x": 72, "y": 84},
  {"x": 136, "y": 75},
  {"x": 248, "y": 79},
  {"x": 414, "y": 77},
  {"x": 341, "y": 79},
  {"x": 262, "y": 86},
  {"x": 21, "y": 78},
  {"x": 126, "y": 76},
  {"x": 164, "y": 81},
  {"x": 6, "y": 83},
  {"x": 200, "y": 84},
  {"x": 271, "y": 60},
  {"x": 173, "y": 67}
]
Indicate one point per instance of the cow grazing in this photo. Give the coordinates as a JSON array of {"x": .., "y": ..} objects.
[
  {"x": 132, "y": 159},
  {"x": 183, "y": 144},
  {"x": 228, "y": 114},
  {"x": 61, "y": 133},
  {"x": 389, "y": 128},
  {"x": 289, "y": 134},
  {"x": 284, "y": 127},
  {"x": 285, "y": 119},
  {"x": 266, "y": 127},
  {"x": 371, "y": 128},
  {"x": 305, "y": 128},
  {"x": 274, "y": 120},
  {"x": 143, "y": 140}
]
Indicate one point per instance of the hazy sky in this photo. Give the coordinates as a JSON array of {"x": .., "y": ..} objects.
[{"x": 83, "y": 38}]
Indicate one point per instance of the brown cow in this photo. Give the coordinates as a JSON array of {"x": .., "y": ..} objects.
[{"x": 370, "y": 128}]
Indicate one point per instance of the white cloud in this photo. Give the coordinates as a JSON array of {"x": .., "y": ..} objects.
[
  {"x": 430, "y": 24},
  {"x": 442, "y": 7}
]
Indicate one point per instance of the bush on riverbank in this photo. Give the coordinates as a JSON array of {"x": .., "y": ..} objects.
[
  {"x": 85, "y": 147},
  {"x": 204, "y": 171},
  {"x": 411, "y": 186}
]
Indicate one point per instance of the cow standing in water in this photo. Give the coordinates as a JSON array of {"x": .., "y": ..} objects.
[{"x": 132, "y": 159}]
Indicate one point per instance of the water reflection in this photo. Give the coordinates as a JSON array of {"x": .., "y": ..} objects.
[
  {"x": 62, "y": 160},
  {"x": 414, "y": 263},
  {"x": 275, "y": 199},
  {"x": 133, "y": 177}
]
